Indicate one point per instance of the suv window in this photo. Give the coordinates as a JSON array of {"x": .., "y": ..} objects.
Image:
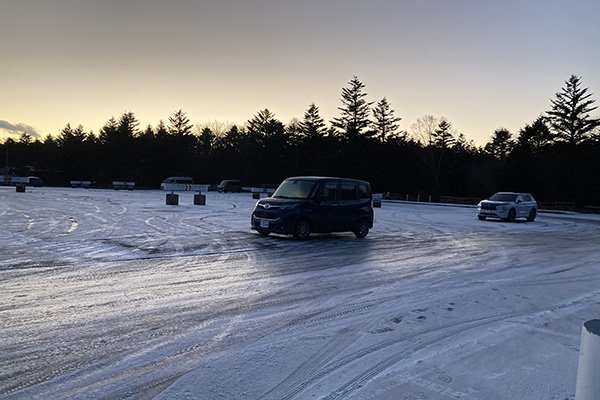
[{"x": 503, "y": 197}]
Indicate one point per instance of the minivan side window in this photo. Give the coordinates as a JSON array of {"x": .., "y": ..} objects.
[
  {"x": 330, "y": 191},
  {"x": 363, "y": 192},
  {"x": 348, "y": 192}
]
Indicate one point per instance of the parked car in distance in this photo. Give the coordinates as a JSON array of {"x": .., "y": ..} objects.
[
  {"x": 508, "y": 206},
  {"x": 35, "y": 181},
  {"x": 229, "y": 185},
  {"x": 306, "y": 204},
  {"x": 186, "y": 180}
]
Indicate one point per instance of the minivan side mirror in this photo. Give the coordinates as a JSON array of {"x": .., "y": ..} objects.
[{"x": 519, "y": 201}]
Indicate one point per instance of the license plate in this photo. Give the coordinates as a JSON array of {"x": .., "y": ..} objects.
[{"x": 264, "y": 223}]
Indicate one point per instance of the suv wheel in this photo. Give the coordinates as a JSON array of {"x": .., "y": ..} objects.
[
  {"x": 512, "y": 214},
  {"x": 532, "y": 215},
  {"x": 362, "y": 229},
  {"x": 302, "y": 230}
]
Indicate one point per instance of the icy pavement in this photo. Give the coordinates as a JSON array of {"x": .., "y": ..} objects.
[{"x": 113, "y": 294}]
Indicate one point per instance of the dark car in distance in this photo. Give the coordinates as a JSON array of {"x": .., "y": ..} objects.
[
  {"x": 306, "y": 204},
  {"x": 229, "y": 185}
]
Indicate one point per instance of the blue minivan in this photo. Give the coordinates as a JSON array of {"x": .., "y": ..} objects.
[{"x": 306, "y": 204}]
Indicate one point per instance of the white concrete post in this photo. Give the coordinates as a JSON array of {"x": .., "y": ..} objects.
[{"x": 588, "y": 370}]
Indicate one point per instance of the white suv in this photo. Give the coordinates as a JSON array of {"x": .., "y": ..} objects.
[{"x": 508, "y": 206}]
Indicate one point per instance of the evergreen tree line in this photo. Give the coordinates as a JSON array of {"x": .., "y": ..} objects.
[{"x": 556, "y": 157}]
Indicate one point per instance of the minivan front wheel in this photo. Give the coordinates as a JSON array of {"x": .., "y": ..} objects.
[
  {"x": 532, "y": 215},
  {"x": 302, "y": 230},
  {"x": 362, "y": 230}
]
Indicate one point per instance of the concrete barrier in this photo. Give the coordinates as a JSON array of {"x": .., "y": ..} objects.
[
  {"x": 588, "y": 370},
  {"x": 257, "y": 192},
  {"x": 377, "y": 200},
  {"x": 118, "y": 185},
  {"x": 82, "y": 184},
  {"x": 200, "y": 199},
  {"x": 172, "y": 199}
]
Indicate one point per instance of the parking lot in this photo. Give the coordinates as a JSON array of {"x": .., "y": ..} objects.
[{"x": 114, "y": 294}]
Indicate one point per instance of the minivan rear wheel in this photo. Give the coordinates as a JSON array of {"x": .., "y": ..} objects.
[
  {"x": 302, "y": 230},
  {"x": 362, "y": 230}
]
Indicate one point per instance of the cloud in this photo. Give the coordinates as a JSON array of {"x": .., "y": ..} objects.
[{"x": 17, "y": 129}]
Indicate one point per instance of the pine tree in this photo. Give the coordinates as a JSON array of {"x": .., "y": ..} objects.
[
  {"x": 161, "y": 129},
  {"x": 385, "y": 123},
  {"x": 312, "y": 127},
  {"x": 442, "y": 136},
  {"x": 569, "y": 117},
  {"x": 109, "y": 131},
  {"x": 179, "y": 124},
  {"x": 501, "y": 144},
  {"x": 355, "y": 111},
  {"x": 264, "y": 127},
  {"x": 533, "y": 138},
  {"x": 128, "y": 125}
]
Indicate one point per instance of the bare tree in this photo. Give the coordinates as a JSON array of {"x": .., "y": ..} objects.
[{"x": 424, "y": 128}]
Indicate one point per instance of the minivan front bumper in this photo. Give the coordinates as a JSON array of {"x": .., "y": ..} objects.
[{"x": 274, "y": 225}]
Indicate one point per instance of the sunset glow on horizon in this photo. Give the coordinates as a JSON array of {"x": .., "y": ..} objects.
[{"x": 480, "y": 64}]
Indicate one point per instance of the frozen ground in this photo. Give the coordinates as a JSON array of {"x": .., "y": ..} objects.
[{"x": 109, "y": 294}]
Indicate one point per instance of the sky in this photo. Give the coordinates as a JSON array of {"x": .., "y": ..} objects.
[{"x": 480, "y": 64}]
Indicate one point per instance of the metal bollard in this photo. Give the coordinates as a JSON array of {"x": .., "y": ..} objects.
[{"x": 588, "y": 370}]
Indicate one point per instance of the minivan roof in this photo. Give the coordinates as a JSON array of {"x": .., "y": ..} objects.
[{"x": 325, "y": 178}]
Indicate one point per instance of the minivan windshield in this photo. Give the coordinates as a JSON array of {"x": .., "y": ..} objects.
[
  {"x": 294, "y": 189},
  {"x": 504, "y": 197}
]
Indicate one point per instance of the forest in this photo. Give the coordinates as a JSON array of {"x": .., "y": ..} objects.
[{"x": 556, "y": 157}]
